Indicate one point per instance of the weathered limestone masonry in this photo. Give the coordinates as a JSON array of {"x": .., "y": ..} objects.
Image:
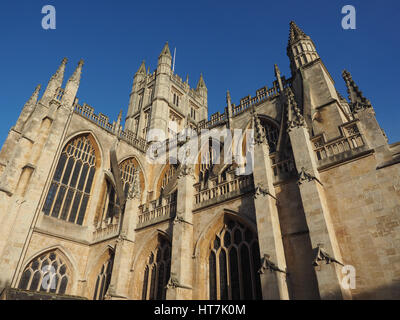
[{"x": 85, "y": 214}]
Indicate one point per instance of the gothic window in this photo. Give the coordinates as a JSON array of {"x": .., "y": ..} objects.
[
  {"x": 111, "y": 207},
  {"x": 47, "y": 273},
  {"x": 234, "y": 262},
  {"x": 176, "y": 100},
  {"x": 103, "y": 279},
  {"x": 272, "y": 133},
  {"x": 193, "y": 113},
  {"x": 168, "y": 176},
  {"x": 69, "y": 192},
  {"x": 157, "y": 272},
  {"x": 140, "y": 101},
  {"x": 146, "y": 123},
  {"x": 127, "y": 169}
]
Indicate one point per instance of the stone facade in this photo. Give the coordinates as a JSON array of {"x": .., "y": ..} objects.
[{"x": 85, "y": 214}]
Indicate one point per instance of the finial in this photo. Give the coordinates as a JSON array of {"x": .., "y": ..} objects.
[
  {"x": 76, "y": 76},
  {"x": 33, "y": 99},
  {"x": 165, "y": 50},
  {"x": 355, "y": 94},
  {"x": 142, "y": 68},
  {"x": 296, "y": 33},
  {"x": 201, "y": 83},
  {"x": 60, "y": 71},
  {"x": 120, "y": 116},
  {"x": 277, "y": 71},
  {"x": 228, "y": 98}
]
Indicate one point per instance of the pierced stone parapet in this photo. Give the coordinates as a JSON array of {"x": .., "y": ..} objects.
[
  {"x": 102, "y": 121},
  {"x": 156, "y": 214},
  {"x": 224, "y": 191},
  {"x": 349, "y": 144}
]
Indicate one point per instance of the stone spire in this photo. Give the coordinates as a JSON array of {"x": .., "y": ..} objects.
[
  {"x": 278, "y": 77},
  {"x": 165, "y": 51},
  {"x": 356, "y": 96},
  {"x": 28, "y": 109},
  {"x": 295, "y": 118},
  {"x": 119, "y": 117},
  {"x": 165, "y": 61},
  {"x": 301, "y": 49},
  {"x": 33, "y": 99},
  {"x": 201, "y": 84},
  {"x": 76, "y": 76},
  {"x": 228, "y": 98},
  {"x": 72, "y": 85},
  {"x": 142, "y": 68},
  {"x": 229, "y": 108},
  {"x": 296, "y": 34},
  {"x": 55, "y": 82}
]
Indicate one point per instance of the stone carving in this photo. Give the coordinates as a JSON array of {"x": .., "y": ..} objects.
[
  {"x": 323, "y": 257},
  {"x": 356, "y": 97},
  {"x": 134, "y": 191},
  {"x": 304, "y": 176},
  {"x": 260, "y": 190},
  {"x": 267, "y": 264},
  {"x": 295, "y": 118},
  {"x": 185, "y": 170},
  {"x": 260, "y": 135},
  {"x": 173, "y": 283}
]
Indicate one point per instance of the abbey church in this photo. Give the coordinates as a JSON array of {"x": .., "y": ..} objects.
[{"x": 84, "y": 214}]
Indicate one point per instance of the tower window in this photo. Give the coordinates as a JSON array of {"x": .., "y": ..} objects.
[
  {"x": 176, "y": 99},
  {"x": 69, "y": 192}
]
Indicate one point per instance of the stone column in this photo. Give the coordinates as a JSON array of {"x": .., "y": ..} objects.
[
  {"x": 273, "y": 269},
  {"x": 328, "y": 258},
  {"x": 119, "y": 285},
  {"x": 179, "y": 286}
]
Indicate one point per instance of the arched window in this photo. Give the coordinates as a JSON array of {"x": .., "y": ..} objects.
[
  {"x": 69, "y": 192},
  {"x": 111, "y": 206},
  {"x": 234, "y": 262},
  {"x": 272, "y": 133},
  {"x": 47, "y": 273},
  {"x": 111, "y": 210},
  {"x": 157, "y": 272},
  {"x": 128, "y": 169},
  {"x": 104, "y": 279},
  {"x": 168, "y": 176}
]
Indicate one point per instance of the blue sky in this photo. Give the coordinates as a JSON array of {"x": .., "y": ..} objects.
[{"x": 234, "y": 43}]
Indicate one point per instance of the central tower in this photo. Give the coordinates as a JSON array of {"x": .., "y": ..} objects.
[{"x": 160, "y": 97}]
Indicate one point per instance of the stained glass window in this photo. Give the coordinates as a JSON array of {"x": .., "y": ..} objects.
[
  {"x": 69, "y": 192},
  {"x": 234, "y": 264},
  {"x": 157, "y": 272},
  {"x": 103, "y": 279},
  {"x": 47, "y": 273}
]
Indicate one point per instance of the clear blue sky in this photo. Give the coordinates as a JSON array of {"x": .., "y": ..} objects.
[{"x": 234, "y": 43}]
